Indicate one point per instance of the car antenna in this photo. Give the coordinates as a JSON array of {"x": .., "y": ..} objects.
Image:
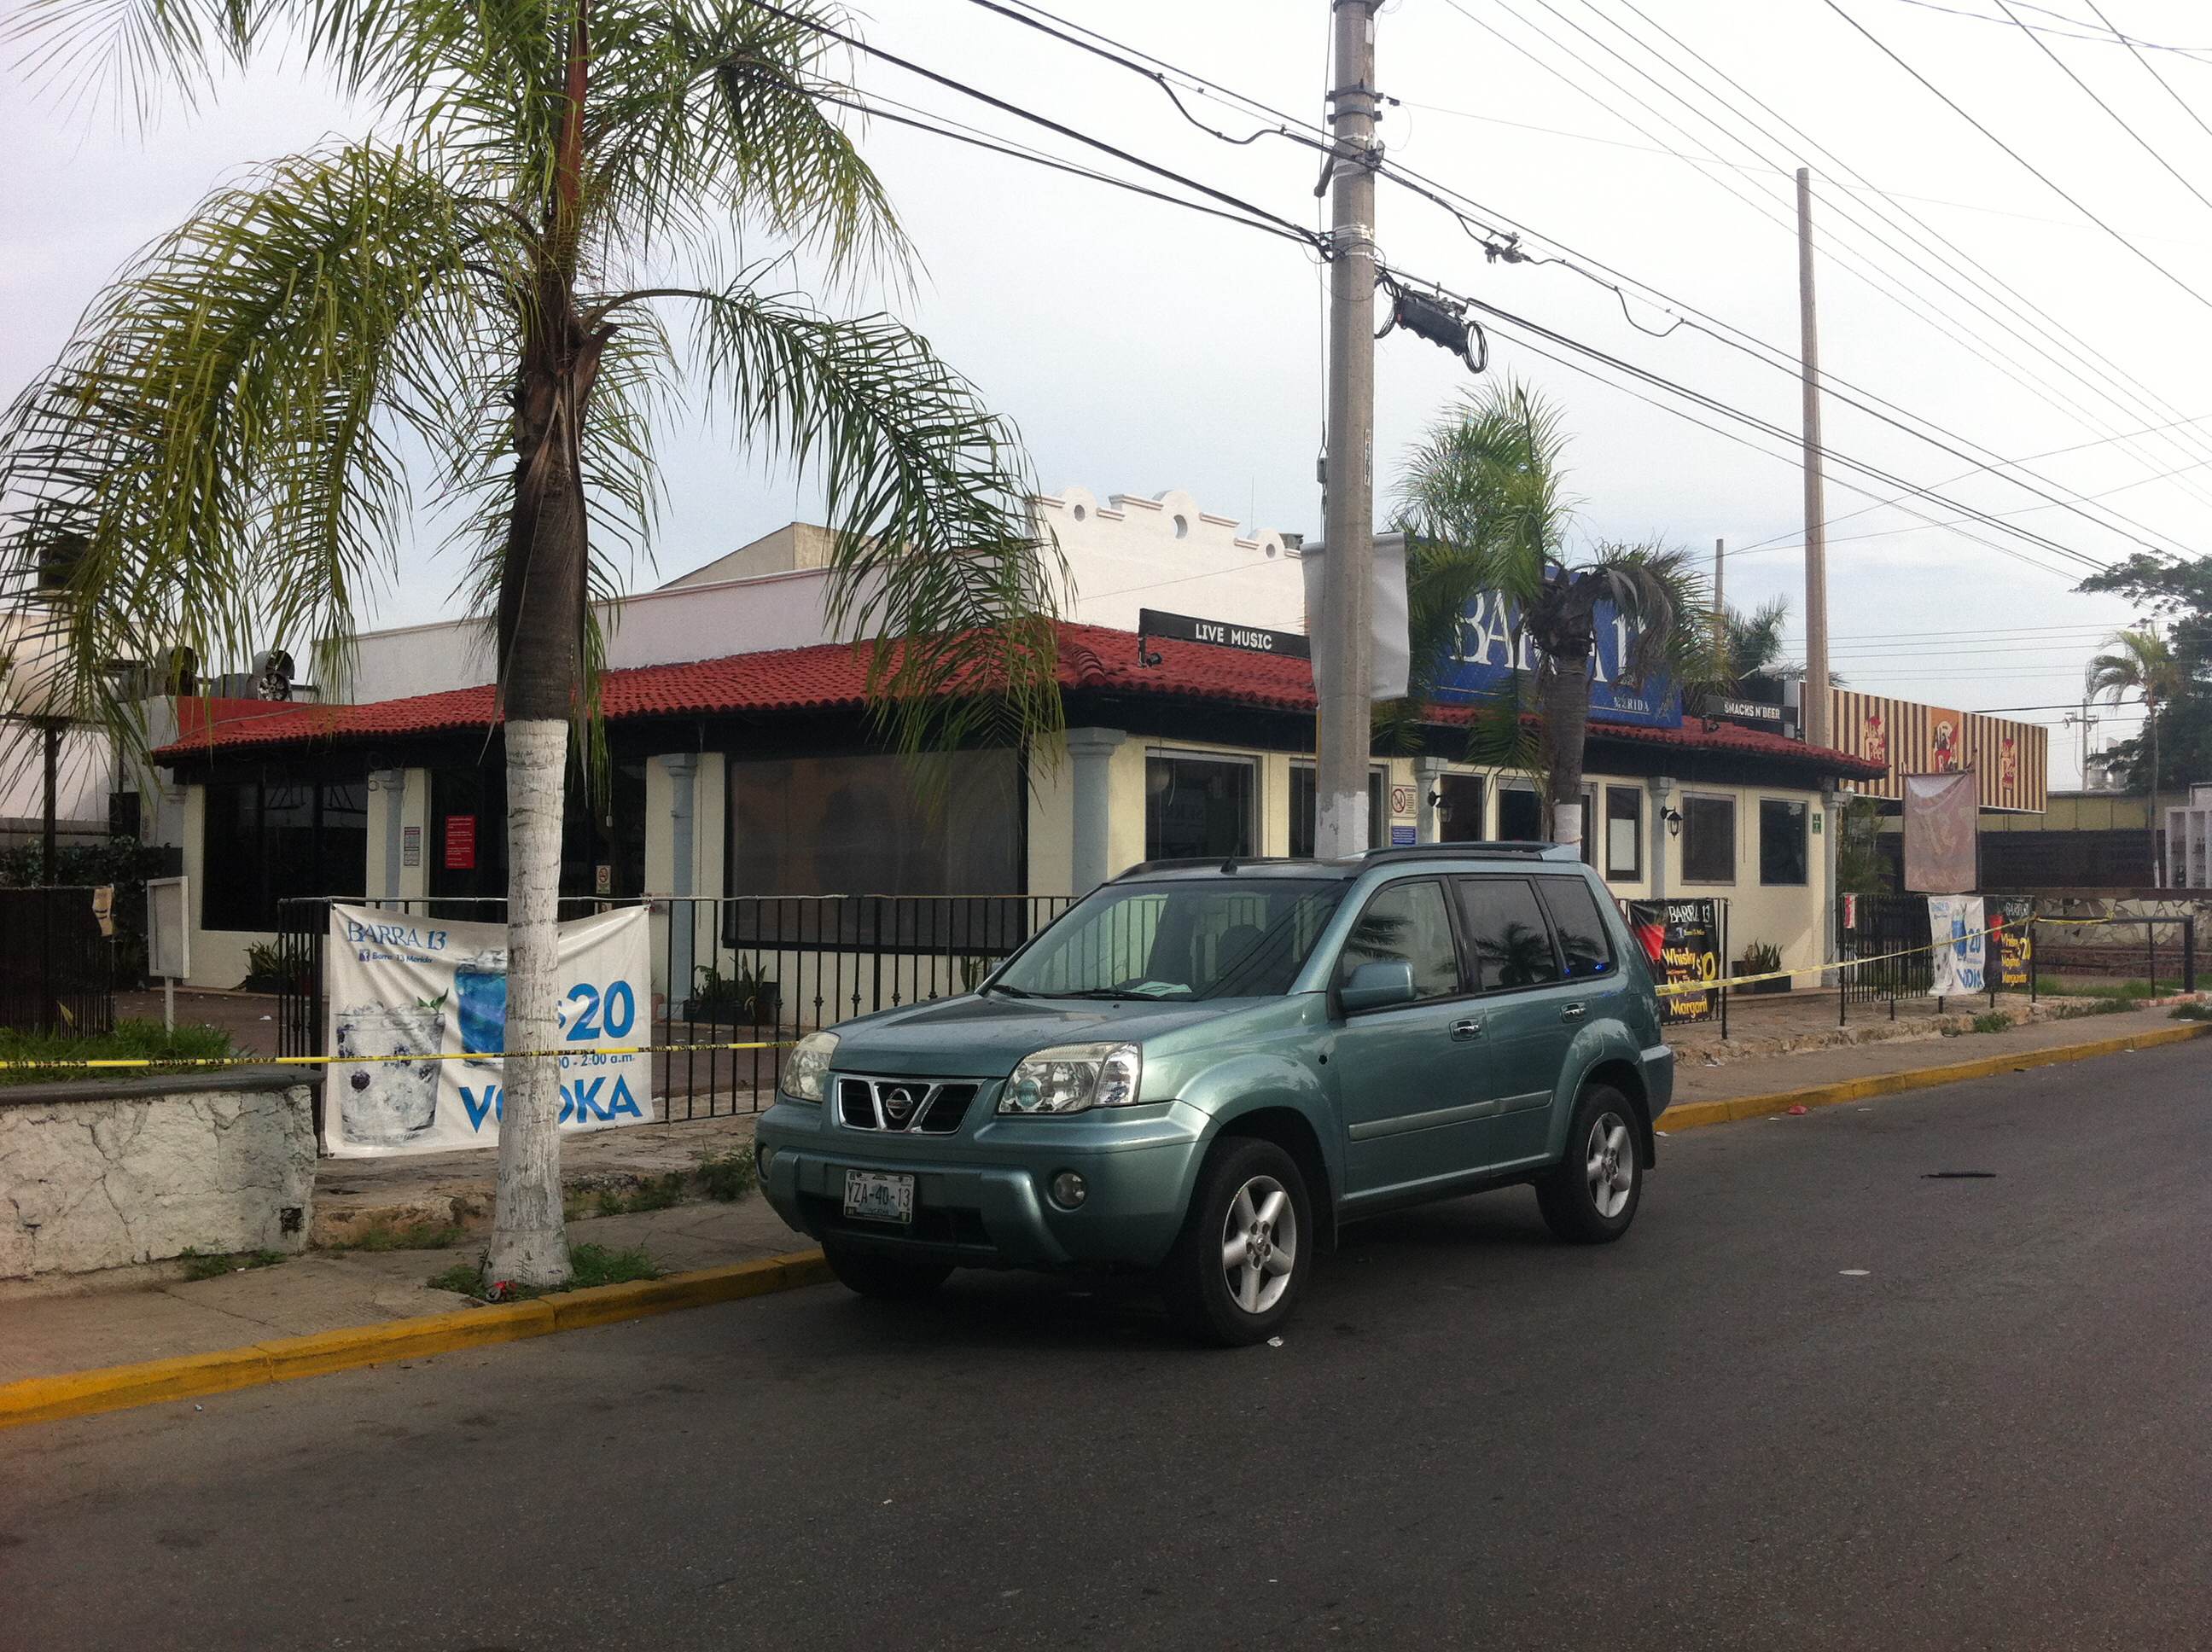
[{"x": 1229, "y": 865}]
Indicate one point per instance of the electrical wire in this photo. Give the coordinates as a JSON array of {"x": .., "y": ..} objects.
[
  {"x": 2135, "y": 50},
  {"x": 2033, "y": 171},
  {"x": 2200, "y": 53}
]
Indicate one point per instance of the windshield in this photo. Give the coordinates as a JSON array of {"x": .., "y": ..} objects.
[{"x": 1180, "y": 940}]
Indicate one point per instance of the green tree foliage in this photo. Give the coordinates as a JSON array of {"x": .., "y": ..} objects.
[{"x": 2179, "y": 594}]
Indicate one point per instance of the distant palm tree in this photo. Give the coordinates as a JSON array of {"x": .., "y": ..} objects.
[
  {"x": 493, "y": 292},
  {"x": 2140, "y": 662},
  {"x": 1482, "y": 507},
  {"x": 1751, "y": 643}
]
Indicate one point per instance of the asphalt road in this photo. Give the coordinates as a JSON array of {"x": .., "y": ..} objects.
[{"x": 1715, "y": 1434}]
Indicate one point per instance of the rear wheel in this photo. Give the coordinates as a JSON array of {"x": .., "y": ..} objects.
[
  {"x": 1247, "y": 1247},
  {"x": 891, "y": 1279},
  {"x": 1590, "y": 1196}
]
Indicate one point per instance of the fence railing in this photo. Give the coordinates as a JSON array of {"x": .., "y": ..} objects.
[
  {"x": 56, "y": 969},
  {"x": 756, "y": 971}
]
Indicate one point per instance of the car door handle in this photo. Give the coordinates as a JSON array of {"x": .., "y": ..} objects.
[
  {"x": 1574, "y": 1012},
  {"x": 1462, "y": 1031}
]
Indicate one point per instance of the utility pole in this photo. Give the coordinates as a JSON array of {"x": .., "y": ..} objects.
[
  {"x": 1344, "y": 646},
  {"x": 1720, "y": 604},
  {"x": 1817, "y": 731}
]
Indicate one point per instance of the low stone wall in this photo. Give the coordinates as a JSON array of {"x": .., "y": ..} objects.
[{"x": 106, "y": 1173}]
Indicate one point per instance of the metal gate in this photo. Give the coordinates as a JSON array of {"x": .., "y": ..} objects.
[{"x": 56, "y": 969}]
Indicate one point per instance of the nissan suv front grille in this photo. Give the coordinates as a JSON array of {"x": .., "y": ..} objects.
[{"x": 929, "y": 1106}]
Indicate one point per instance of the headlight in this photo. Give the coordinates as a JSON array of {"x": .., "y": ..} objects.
[
  {"x": 1072, "y": 1077},
  {"x": 807, "y": 1074}
]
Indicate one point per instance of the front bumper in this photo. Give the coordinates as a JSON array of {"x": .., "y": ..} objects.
[{"x": 980, "y": 1196}]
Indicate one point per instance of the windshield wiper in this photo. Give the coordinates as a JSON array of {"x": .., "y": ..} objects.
[
  {"x": 999, "y": 986},
  {"x": 1116, "y": 994}
]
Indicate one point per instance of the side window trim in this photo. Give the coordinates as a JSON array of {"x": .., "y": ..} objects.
[{"x": 1470, "y": 956}]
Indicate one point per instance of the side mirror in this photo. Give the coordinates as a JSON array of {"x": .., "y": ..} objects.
[{"x": 1378, "y": 985}]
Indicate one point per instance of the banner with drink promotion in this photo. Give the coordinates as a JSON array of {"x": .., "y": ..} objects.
[
  {"x": 398, "y": 986},
  {"x": 1682, "y": 941}
]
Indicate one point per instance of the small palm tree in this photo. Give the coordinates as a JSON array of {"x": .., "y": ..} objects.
[
  {"x": 495, "y": 297},
  {"x": 1482, "y": 507},
  {"x": 2140, "y": 662},
  {"x": 1751, "y": 643}
]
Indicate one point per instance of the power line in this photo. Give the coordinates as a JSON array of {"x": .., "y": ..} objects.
[
  {"x": 2113, "y": 38},
  {"x": 2141, "y": 142},
  {"x": 2135, "y": 50},
  {"x": 2033, "y": 170}
]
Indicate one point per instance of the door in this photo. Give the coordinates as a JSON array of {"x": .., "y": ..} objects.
[
  {"x": 1529, "y": 1007},
  {"x": 1407, "y": 1075}
]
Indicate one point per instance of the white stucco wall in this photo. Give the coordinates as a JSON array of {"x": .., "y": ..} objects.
[
  {"x": 102, "y": 1176},
  {"x": 1127, "y": 552}
]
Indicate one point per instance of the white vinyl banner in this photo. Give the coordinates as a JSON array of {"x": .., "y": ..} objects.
[
  {"x": 400, "y": 985},
  {"x": 1957, "y": 919}
]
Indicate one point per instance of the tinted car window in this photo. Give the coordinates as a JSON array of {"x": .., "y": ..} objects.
[
  {"x": 1407, "y": 921},
  {"x": 1584, "y": 941},
  {"x": 1512, "y": 944}
]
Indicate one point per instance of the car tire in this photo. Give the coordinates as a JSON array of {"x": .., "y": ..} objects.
[
  {"x": 888, "y": 1279},
  {"x": 1589, "y": 1197},
  {"x": 1250, "y": 1193}
]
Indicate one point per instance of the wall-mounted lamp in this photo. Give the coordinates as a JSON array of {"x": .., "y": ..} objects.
[
  {"x": 1435, "y": 799},
  {"x": 1673, "y": 819}
]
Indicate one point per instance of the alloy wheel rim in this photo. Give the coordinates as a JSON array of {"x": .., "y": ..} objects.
[
  {"x": 1259, "y": 1244},
  {"x": 1609, "y": 1165}
]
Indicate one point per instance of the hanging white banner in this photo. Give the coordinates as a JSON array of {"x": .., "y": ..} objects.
[
  {"x": 1957, "y": 919},
  {"x": 397, "y": 985}
]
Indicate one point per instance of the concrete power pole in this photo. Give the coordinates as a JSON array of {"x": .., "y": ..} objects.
[
  {"x": 1817, "y": 731},
  {"x": 1720, "y": 603},
  {"x": 1343, "y": 646}
]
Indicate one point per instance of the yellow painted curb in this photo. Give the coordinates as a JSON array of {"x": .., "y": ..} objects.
[
  {"x": 1691, "y": 1116},
  {"x": 116, "y": 1388}
]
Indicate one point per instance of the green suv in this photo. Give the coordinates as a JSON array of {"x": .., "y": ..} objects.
[{"x": 1206, "y": 1068}]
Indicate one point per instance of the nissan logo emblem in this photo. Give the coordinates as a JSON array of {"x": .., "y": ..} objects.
[{"x": 899, "y": 1103}]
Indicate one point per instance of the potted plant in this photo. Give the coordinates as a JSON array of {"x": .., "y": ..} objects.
[
  {"x": 1760, "y": 958},
  {"x": 747, "y": 994}
]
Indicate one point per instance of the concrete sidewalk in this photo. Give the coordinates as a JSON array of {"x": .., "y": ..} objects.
[{"x": 153, "y": 1313}]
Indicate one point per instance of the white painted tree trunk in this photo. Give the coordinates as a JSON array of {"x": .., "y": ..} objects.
[
  {"x": 1566, "y": 822},
  {"x": 529, "y": 1239}
]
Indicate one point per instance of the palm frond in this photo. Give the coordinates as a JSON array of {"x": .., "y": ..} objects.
[
  {"x": 937, "y": 556},
  {"x": 217, "y": 447},
  {"x": 1751, "y": 643}
]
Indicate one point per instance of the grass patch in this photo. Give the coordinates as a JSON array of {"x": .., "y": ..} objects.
[
  {"x": 417, "y": 1236},
  {"x": 728, "y": 1176},
  {"x": 2120, "y": 991},
  {"x": 591, "y": 1265},
  {"x": 201, "y": 1265},
  {"x": 658, "y": 1193},
  {"x": 2192, "y": 1012},
  {"x": 1993, "y": 1021},
  {"x": 47, "y": 1054}
]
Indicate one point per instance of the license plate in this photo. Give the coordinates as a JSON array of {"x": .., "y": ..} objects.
[{"x": 879, "y": 1196}]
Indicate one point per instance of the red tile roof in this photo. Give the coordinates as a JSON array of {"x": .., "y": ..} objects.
[{"x": 833, "y": 676}]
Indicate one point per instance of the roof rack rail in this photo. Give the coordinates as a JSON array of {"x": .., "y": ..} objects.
[
  {"x": 1527, "y": 848},
  {"x": 1213, "y": 862}
]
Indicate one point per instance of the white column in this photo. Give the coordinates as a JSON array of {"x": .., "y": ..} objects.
[
  {"x": 1091, "y": 755},
  {"x": 1661, "y": 788},
  {"x": 387, "y": 793},
  {"x": 1428, "y": 780},
  {"x": 682, "y": 769}
]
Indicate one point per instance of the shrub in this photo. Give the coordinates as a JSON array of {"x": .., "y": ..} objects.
[{"x": 728, "y": 1176}]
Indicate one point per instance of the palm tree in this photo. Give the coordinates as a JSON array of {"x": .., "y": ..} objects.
[
  {"x": 1751, "y": 643},
  {"x": 494, "y": 296},
  {"x": 1481, "y": 506},
  {"x": 2140, "y": 662}
]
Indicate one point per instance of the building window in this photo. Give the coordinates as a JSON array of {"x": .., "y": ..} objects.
[
  {"x": 1782, "y": 847},
  {"x": 267, "y": 841},
  {"x": 1305, "y": 810},
  {"x": 1521, "y": 815},
  {"x": 1708, "y": 839},
  {"x": 859, "y": 825},
  {"x": 1589, "y": 826},
  {"x": 1459, "y": 809},
  {"x": 1624, "y": 832}
]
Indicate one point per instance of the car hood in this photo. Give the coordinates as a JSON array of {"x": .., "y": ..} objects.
[{"x": 975, "y": 1037}]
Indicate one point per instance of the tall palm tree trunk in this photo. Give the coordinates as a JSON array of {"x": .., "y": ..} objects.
[
  {"x": 541, "y": 620},
  {"x": 1563, "y": 699}
]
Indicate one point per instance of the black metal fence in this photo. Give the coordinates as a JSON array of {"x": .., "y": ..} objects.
[
  {"x": 735, "y": 978},
  {"x": 56, "y": 969},
  {"x": 1878, "y": 929}
]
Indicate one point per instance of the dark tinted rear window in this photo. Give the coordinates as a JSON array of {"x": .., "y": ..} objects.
[
  {"x": 1584, "y": 941},
  {"x": 1512, "y": 946}
]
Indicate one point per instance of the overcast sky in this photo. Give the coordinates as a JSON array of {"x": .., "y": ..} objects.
[{"x": 1141, "y": 347}]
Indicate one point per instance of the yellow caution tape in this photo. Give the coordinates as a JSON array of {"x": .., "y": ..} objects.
[
  {"x": 1716, "y": 983},
  {"x": 102, "y": 1063}
]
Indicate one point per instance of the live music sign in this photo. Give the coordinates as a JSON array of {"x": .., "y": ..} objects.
[{"x": 1251, "y": 639}]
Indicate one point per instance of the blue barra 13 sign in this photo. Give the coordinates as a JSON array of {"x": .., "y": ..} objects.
[{"x": 1489, "y": 649}]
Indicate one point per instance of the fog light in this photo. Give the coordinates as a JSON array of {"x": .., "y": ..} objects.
[
  {"x": 1068, "y": 1190},
  {"x": 763, "y": 1158}
]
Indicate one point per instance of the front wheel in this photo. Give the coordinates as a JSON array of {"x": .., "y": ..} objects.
[
  {"x": 891, "y": 1279},
  {"x": 1247, "y": 1247},
  {"x": 1590, "y": 1196}
]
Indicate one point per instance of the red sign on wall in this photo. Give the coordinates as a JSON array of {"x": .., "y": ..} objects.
[{"x": 461, "y": 842}]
